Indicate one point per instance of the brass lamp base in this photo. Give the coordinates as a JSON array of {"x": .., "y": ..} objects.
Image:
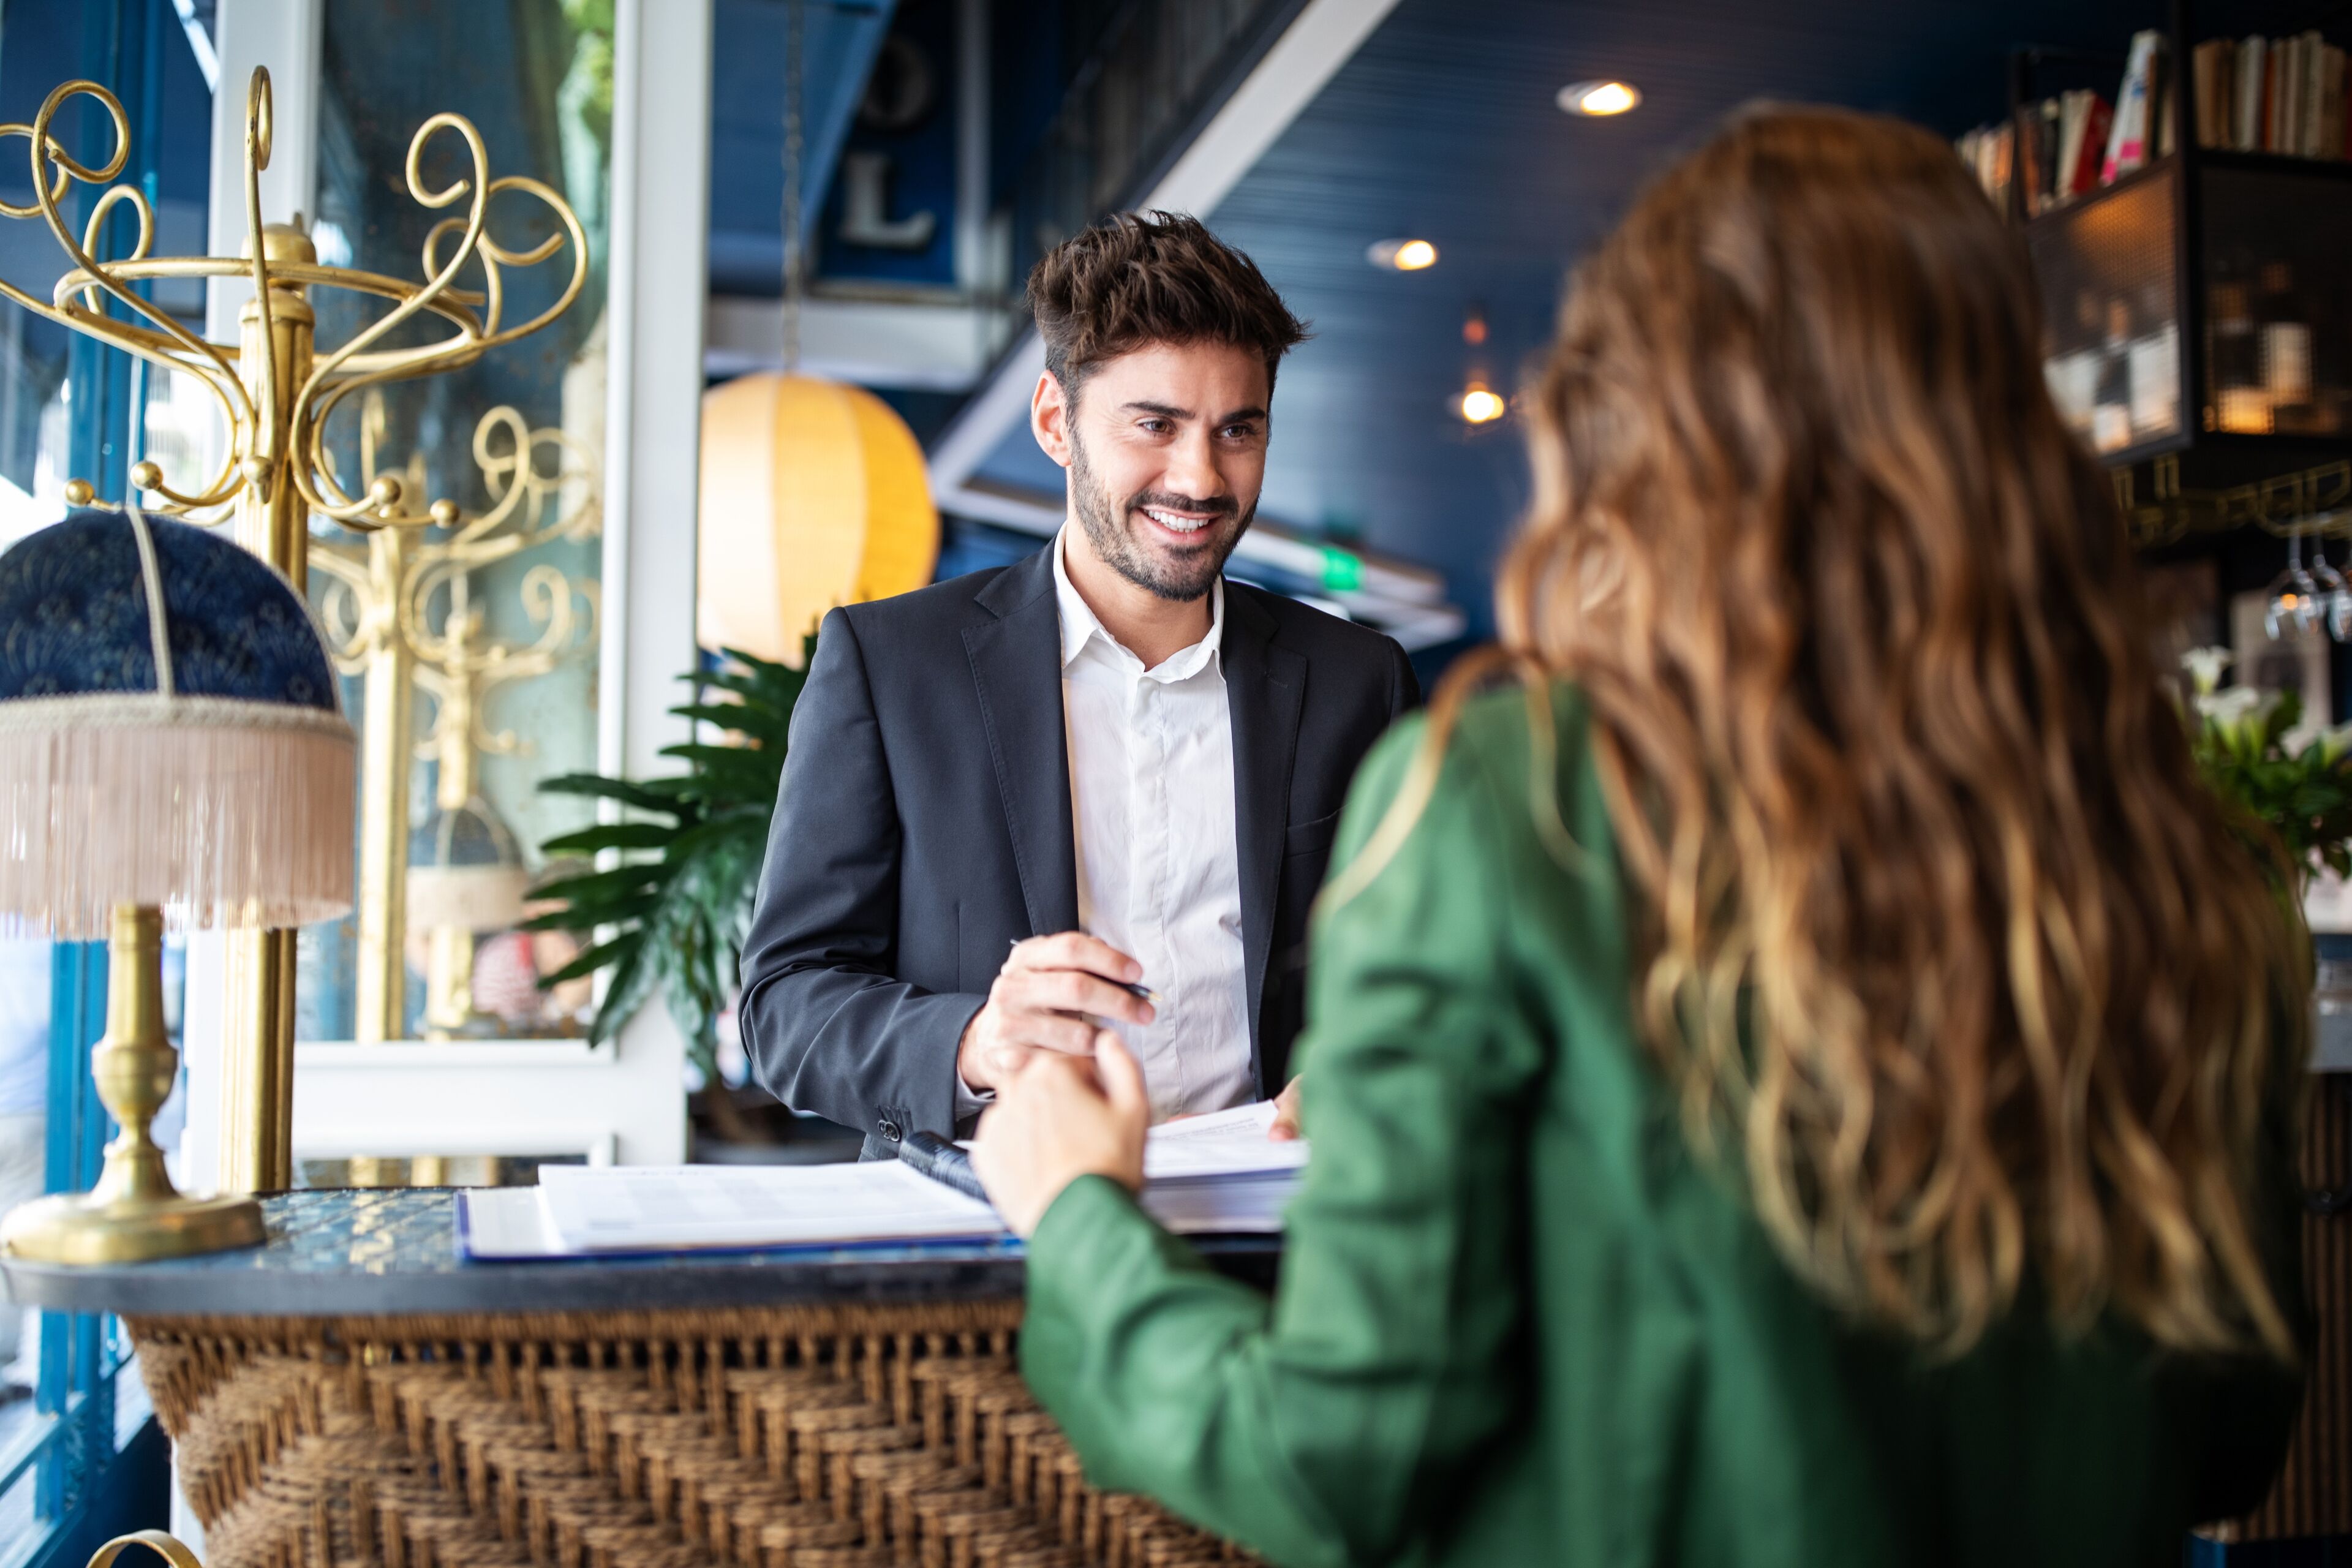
[
  {"x": 134, "y": 1215},
  {"x": 78, "y": 1227}
]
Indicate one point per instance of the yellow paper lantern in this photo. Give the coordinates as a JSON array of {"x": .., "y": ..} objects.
[{"x": 812, "y": 494}]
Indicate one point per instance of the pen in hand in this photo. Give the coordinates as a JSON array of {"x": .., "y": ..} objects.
[{"x": 1141, "y": 993}]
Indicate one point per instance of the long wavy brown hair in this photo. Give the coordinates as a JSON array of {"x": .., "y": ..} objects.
[{"x": 1940, "y": 931}]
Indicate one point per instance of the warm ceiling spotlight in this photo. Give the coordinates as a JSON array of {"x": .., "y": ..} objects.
[
  {"x": 1481, "y": 405},
  {"x": 1402, "y": 255},
  {"x": 1598, "y": 98}
]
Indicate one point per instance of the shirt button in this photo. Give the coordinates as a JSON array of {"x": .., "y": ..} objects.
[{"x": 889, "y": 1129}]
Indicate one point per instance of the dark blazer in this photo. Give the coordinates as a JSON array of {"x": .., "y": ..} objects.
[{"x": 924, "y": 825}]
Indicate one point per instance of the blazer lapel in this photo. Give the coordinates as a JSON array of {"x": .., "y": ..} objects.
[
  {"x": 1265, "y": 684},
  {"x": 1016, "y": 663}
]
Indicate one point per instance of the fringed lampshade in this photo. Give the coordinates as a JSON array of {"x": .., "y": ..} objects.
[
  {"x": 463, "y": 870},
  {"x": 196, "y": 759},
  {"x": 171, "y": 742}
]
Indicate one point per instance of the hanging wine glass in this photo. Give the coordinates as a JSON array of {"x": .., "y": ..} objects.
[
  {"x": 2336, "y": 593},
  {"x": 2294, "y": 599}
]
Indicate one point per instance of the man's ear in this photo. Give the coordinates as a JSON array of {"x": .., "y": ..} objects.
[{"x": 1049, "y": 418}]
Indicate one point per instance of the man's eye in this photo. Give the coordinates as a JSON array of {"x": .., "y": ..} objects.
[
  {"x": 1239, "y": 432},
  {"x": 1155, "y": 427}
]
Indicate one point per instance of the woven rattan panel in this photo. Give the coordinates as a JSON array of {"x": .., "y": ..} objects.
[{"x": 803, "y": 1438}]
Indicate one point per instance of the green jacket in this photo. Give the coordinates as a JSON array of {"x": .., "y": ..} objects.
[{"x": 1518, "y": 1322}]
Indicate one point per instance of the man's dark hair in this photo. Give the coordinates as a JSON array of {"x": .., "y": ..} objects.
[{"x": 1136, "y": 278}]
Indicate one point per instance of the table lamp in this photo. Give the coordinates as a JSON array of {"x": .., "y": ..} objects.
[
  {"x": 466, "y": 879},
  {"x": 172, "y": 744}
]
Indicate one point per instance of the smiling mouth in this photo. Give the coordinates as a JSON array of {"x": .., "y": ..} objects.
[{"x": 1177, "y": 523}]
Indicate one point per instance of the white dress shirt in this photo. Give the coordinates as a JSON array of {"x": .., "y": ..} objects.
[{"x": 1152, "y": 802}]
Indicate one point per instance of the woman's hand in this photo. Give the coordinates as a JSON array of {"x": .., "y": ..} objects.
[
  {"x": 1056, "y": 1118},
  {"x": 1284, "y": 1128}
]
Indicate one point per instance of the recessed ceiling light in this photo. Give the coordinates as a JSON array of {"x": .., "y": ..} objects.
[
  {"x": 1402, "y": 255},
  {"x": 1598, "y": 98},
  {"x": 1482, "y": 405}
]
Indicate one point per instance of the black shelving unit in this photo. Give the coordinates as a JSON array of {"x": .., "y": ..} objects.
[{"x": 2198, "y": 311}]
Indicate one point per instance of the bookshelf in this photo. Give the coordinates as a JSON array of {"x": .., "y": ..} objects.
[{"x": 2197, "y": 310}]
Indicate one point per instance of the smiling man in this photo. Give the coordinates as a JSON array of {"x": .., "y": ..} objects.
[{"x": 1097, "y": 788}]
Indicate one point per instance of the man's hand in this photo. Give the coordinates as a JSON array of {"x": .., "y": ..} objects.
[
  {"x": 1283, "y": 1129},
  {"x": 1056, "y": 1118},
  {"x": 1040, "y": 1001}
]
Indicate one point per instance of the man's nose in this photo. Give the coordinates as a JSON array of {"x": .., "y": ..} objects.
[{"x": 1192, "y": 471}]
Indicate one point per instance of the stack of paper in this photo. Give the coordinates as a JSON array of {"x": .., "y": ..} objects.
[
  {"x": 1216, "y": 1173},
  {"x": 1219, "y": 1173},
  {"x": 614, "y": 1208}
]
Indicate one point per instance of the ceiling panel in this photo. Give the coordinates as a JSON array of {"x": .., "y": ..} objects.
[{"x": 1444, "y": 127}]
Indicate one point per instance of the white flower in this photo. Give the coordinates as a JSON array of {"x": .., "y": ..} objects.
[
  {"x": 2239, "y": 705},
  {"x": 2333, "y": 739},
  {"x": 2205, "y": 665}
]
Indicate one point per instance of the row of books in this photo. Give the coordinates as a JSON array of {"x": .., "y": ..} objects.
[
  {"x": 2070, "y": 145},
  {"x": 2272, "y": 95}
]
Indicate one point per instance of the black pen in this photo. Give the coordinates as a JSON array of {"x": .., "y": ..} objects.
[
  {"x": 1141, "y": 993},
  {"x": 941, "y": 1161}
]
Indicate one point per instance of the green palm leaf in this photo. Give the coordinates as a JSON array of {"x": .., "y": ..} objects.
[{"x": 674, "y": 913}]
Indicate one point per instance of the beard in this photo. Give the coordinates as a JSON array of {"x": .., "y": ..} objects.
[{"x": 1116, "y": 534}]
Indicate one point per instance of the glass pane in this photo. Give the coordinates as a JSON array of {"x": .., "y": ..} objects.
[
  {"x": 69, "y": 409},
  {"x": 487, "y": 630},
  {"x": 2111, "y": 313},
  {"x": 2278, "y": 355}
]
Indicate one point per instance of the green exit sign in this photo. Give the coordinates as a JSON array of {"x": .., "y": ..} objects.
[{"x": 1341, "y": 569}]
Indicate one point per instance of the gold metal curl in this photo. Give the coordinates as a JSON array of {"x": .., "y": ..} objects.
[
  {"x": 316, "y": 474},
  {"x": 260, "y": 119},
  {"x": 274, "y": 439},
  {"x": 427, "y": 599},
  {"x": 93, "y": 232},
  {"x": 64, "y": 178},
  {"x": 522, "y": 481},
  {"x": 452, "y": 657},
  {"x": 2315, "y": 502},
  {"x": 169, "y": 1548},
  {"x": 91, "y": 318},
  {"x": 342, "y": 607},
  {"x": 59, "y": 96}
]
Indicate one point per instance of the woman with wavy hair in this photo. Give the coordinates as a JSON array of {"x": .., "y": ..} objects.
[{"x": 1801, "y": 1073}]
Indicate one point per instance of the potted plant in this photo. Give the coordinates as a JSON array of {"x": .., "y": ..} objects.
[
  {"x": 2259, "y": 754},
  {"x": 670, "y": 912}
]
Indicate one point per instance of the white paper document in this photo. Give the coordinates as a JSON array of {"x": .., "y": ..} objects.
[
  {"x": 504, "y": 1222},
  {"x": 1219, "y": 1173},
  {"x": 1243, "y": 1206},
  {"x": 1221, "y": 1143},
  {"x": 635, "y": 1208},
  {"x": 1205, "y": 1174}
]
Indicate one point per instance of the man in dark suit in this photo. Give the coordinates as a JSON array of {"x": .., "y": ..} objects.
[{"x": 1094, "y": 789}]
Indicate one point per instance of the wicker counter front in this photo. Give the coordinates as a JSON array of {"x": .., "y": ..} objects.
[{"x": 853, "y": 1410}]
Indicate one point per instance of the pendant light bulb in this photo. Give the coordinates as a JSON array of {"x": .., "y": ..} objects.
[{"x": 1599, "y": 100}]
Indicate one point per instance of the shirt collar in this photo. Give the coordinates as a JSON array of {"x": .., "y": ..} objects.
[{"x": 1080, "y": 627}]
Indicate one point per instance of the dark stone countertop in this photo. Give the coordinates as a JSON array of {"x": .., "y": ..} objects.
[{"x": 395, "y": 1251}]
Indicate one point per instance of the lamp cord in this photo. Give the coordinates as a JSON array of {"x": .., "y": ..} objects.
[
  {"x": 159, "y": 636},
  {"x": 795, "y": 262}
]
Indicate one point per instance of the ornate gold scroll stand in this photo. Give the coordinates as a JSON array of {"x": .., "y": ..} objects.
[
  {"x": 277, "y": 391},
  {"x": 403, "y": 613}
]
